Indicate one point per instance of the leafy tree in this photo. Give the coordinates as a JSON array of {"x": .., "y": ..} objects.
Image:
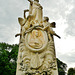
[
  {"x": 71, "y": 71},
  {"x": 62, "y": 67},
  {"x": 8, "y": 57}
]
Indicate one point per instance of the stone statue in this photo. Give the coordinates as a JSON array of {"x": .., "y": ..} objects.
[
  {"x": 36, "y": 11},
  {"x": 48, "y": 28},
  {"x": 36, "y": 55}
]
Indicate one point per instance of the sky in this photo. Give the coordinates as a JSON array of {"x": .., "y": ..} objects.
[{"x": 60, "y": 11}]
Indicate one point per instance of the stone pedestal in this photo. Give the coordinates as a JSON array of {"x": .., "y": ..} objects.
[{"x": 36, "y": 55}]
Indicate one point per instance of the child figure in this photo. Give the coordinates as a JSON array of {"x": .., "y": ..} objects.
[{"x": 48, "y": 27}]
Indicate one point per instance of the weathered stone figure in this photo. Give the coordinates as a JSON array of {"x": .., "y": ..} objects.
[
  {"x": 48, "y": 28},
  {"x": 36, "y": 11},
  {"x": 36, "y": 55}
]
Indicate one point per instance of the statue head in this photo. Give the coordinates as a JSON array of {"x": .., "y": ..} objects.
[
  {"x": 36, "y": 0},
  {"x": 46, "y": 19}
]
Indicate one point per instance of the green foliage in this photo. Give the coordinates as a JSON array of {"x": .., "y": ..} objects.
[
  {"x": 61, "y": 67},
  {"x": 71, "y": 71},
  {"x": 8, "y": 53}
]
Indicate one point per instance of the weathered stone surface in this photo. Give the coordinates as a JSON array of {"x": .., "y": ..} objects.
[{"x": 36, "y": 55}]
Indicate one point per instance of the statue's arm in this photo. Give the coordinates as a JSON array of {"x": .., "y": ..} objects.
[
  {"x": 57, "y": 36},
  {"x": 42, "y": 28},
  {"x": 53, "y": 33},
  {"x": 25, "y": 13},
  {"x": 18, "y": 34},
  {"x": 45, "y": 27}
]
